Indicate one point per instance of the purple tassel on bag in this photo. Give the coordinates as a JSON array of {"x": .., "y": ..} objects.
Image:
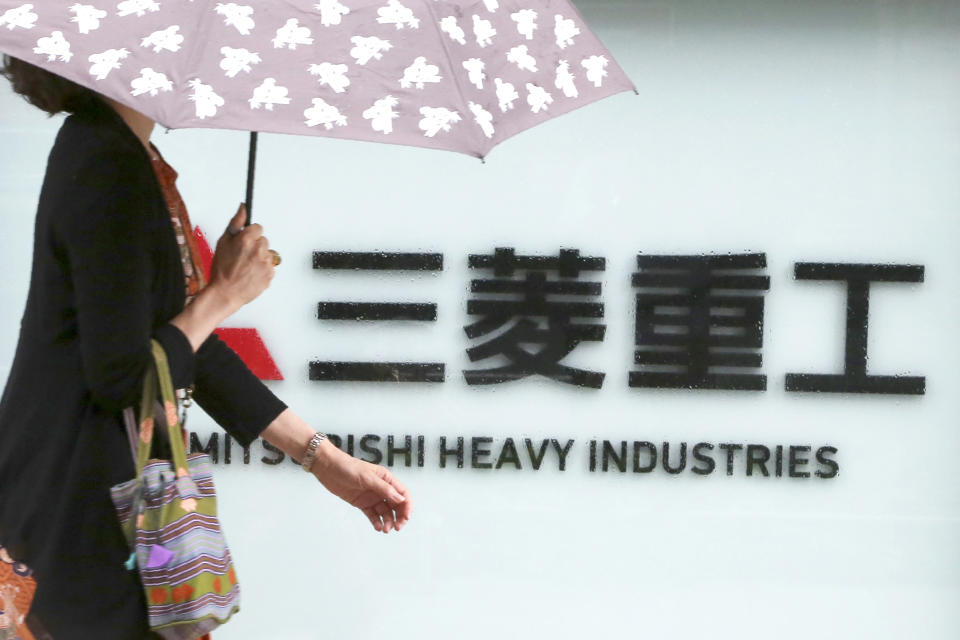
[{"x": 160, "y": 556}]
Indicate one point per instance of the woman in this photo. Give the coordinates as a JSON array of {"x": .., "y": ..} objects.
[{"x": 113, "y": 268}]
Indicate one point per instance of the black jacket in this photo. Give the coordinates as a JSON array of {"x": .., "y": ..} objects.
[{"x": 106, "y": 277}]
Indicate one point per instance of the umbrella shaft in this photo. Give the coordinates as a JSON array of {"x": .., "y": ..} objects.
[{"x": 251, "y": 170}]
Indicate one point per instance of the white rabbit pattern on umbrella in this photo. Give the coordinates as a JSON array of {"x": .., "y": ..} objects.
[
  {"x": 87, "y": 17},
  {"x": 404, "y": 71},
  {"x": 22, "y": 17}
]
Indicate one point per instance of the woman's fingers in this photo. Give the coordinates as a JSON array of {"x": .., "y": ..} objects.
[
  {"x": 235, "y": 226},
  {"x": 383, "y": 488},
  {"x": 385, "y": 512},
  {"x": 373, "y": 517},
  {"x": 394, "y": 505},
  {"x": 404, "y": 511},
  {"x": 242, "y": 265},
  {"x": 401, "y": 489},
  {"x": 262, "y": 248},
  {"x": 405, "y": 508},
  {"x": 251, "y": 235}
]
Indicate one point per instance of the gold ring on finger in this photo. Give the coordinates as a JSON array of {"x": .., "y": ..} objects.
[{"x": 276, "y": 257}]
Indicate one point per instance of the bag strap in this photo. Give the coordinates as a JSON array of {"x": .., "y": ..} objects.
[{"x": 158, "y": 374}]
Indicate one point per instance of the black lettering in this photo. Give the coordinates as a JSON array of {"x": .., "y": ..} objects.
[
  {"x": 272, "y": 449},
  {"x": 476, "y": 452},
  {"x": 730, "y": 449},
  {"x": 227, "y": 448},
  {"x": 757, "y": 454},
  {"x": 508, "y": 454},
  {"x": 651, "y": 450},
  {"x": 832, "y": 468},
  {"x": 420, "y": 451},
  {"x": 796, "y": 461},
  {"x": 350, "y": 443},
  {"x": 406, "y": 451},
  {"x": 690, "y": 354},
  {"x": 444, "y": 452},
  {"x": 376, "y": 456},
  {"x": 562, "y": 452},
  {"x": 335, "y": 440},
  {"x": 610, "y": 453},
  {"x": 779, "y": 460},
  {"x": 377, "y": 261},
  {"x": 529, "y": 297},
  {"x": 212, "y": 449},
  {"x": 593, "y": 455},
  {"x": 704, "y": 458},
  {"x": 855, "y": 378},
  {"x": 536, "y": 459},
  {"x": 666, "y": 458},
  {"x": 390, "y": 372}
]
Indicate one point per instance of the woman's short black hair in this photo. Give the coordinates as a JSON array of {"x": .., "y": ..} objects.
[{"x": 45, "y": 90}]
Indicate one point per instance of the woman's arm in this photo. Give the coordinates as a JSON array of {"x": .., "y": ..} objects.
[
  {"x": 247, "y": 409},
  {"x": 371, "y": 488},
  {"x": 103, "y": 232},
  {"x": 226, "y": 390}
]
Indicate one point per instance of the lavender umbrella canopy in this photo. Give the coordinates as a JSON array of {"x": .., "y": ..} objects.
[{"x": 459, "y": 75}]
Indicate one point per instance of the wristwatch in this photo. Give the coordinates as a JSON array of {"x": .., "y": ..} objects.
[{"x": 311, "y": 453}]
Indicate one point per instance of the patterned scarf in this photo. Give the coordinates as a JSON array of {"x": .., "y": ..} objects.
[{"x": 189, "y": 254}]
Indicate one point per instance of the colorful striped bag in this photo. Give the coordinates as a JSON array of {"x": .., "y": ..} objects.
[{"x": 169, "y": 515}]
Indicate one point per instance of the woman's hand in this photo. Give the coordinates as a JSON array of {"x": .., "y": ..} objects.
[
  {"x": 369, "y": 487},
  {"x": 242, "y": 264},
  {"x": 242, "y": 269}
]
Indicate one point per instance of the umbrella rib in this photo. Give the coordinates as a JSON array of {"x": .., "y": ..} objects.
[{"x": 456, "y": 78}]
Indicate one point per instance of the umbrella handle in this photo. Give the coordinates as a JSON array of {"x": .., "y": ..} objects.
[{"x": 251, "y": 170}]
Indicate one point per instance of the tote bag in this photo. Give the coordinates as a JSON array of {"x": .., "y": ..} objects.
[{"x": 169, "y": 516}]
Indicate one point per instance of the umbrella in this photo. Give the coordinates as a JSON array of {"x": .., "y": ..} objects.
[{"x": 457, "y": 75}]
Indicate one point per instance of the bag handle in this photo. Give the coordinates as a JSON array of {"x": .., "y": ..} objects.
[{"x": 158, "y": 374}]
